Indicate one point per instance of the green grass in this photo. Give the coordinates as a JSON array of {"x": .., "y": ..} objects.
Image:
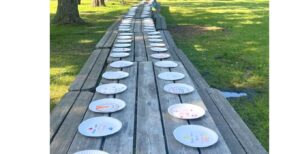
[
  {"x": 71, "y": 45},
  {"x": 228, "y": 42}
]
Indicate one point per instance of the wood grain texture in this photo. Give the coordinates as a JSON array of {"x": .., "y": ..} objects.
[
  {"x": 63, "y": 138},
  {"x": 60, "y": 111},
  {"x": 138, "y": 26},
  {"x": 139, "y": 48},
  {"x": 148, "y": 113}
]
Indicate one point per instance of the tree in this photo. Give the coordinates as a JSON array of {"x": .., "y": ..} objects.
[
  {"x": 98, "y": 3},
  {"x": 67, "y": 13}
]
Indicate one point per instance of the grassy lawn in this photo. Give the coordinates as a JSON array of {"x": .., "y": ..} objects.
[
  {"x": 71, "y": 45},
  {"x": 228, "y": 42}
]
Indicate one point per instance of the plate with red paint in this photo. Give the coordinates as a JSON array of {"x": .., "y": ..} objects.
[
  {"x": 186, "y": 111},
  {"x": 107, "y": 105}
]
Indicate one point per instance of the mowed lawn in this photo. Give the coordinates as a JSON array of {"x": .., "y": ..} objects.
[
  {"x": 228, "y": 42},
  {"x": 72, "y": 45}
]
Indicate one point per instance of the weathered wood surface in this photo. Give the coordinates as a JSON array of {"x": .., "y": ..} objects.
[
  {"x": 139, "y": 49},
  {"x": 148, "y": 140},
  {"x": 138, "y": 26},
  {"x": 89, "y": 74},
  {"x": 239, "y": 128},
  {"x": 64, "y": 136},
  {"x": 103, "y": 41},
  {"x": 60, "y": 111}
]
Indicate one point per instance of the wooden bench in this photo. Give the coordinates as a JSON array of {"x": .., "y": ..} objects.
[{"x": 160, "y": 21}]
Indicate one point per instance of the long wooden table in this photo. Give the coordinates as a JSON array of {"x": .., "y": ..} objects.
[{"x": 147, "y": 127}]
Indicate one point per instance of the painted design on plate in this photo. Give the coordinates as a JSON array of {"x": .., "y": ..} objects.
[
  {"x": 119, "y": 55},
  {"x": 91, "y": 152},
  {"x": 107, "y": 105},
  {"x": 171, "y": 76},
  {"x": 159, "y": 49},
  {"x": 160, "y": 55},
  {"x": 121, "y": 49},
  {"x": 113, "y": 75},
  {"x": 99, "y": 126},
  {"x": 111, "y": 88},
  {"x": 166, "y": 64},
  {"x": 178, "y": 88},
  {"x": 186, "y": 111},
  {"x": 123, "y": 45},
  {"x": 195, "y": 136}
]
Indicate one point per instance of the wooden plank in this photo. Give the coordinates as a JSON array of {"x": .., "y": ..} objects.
[
  {"x": 239, "y": 128},
  {"x": 84, "y": 72},
  {"x": 138, "y": 25},
  {"x": 123, "y": 141},
  {"x": 171, "y": 44},
  {"x": 206, "y": 121},
  {"x": 139, "y": 48},
  {"x": 169, "y": 122},
  {"x": 60, "y": 111},
  {"x": 148, "y": 113},
  {"x": 109, "y": 43},
  {"x": 107, "y": 35},
  {"x": 81, "y": 142},
  {"x": 92, "y": 79},
  {"x": 68, "y": 129}
]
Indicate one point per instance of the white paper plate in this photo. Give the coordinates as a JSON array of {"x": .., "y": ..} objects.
[
  {"x": 99, "y": 126},
  {"x": 119, "y": 55},
  {"x": 123, "y": 45},
  {"x": 125, "y": 34},
  {"x": 124, "y": 27},
  {"x": 178, "y": 88},
  {"x": 155, "y": 40},
  {"x": 157, "y": 44},
  {"x": 124, "y": 30},
  {"x": 149, "y": 27},
  {"x": 91, "y": 152},
  {"x": 125, "y": 37},
  {"x": 186, "y": 111},
  {"x": 171, "y": 76},
  {"x": 111, "y": 88},
  {"x": 149, "y": 30},
  {"x": 107, "y": 105},
  {"x": 153, "y": 33},
  {"x": 159, "y": 49},
  {"x": 160, "y": 55},
  {"x": 125, "y": 24},
  {"x": 195, "y": 136},
  {"x": 114, "y": 75},
  {"x": 154, "y": 36},
  {"x": 166, "y": 64},
  {"x": 121, "y": 49},
  {"x": 121, "y": 64},
  {"x": 124, "y": 41}
]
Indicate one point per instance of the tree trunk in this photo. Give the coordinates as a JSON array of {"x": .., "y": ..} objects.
[
  {"x": 102, "y": 3},
  {"x": 67, "y": 13},
  {"x": 98, "y": 3}
]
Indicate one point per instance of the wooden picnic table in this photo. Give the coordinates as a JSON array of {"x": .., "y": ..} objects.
[{"x": 147, "y": 126}]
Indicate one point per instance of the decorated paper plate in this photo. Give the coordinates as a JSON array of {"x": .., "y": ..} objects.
[
  {"x": 186, "y": 111},
  {"x": 157, "y": 44},
  {"x": 166, "y": 64},
  {"x": 155, "y": 40},
  {"x": 124, "y": 30},
  {"x": 125, "y": 34},
  {"x": 195, "y": 136},
  {"x": 107, "y": 105},
  {"x": 121, "y": 49},
  {"x": 91, "y": 152},
  {"x": 178, "y": 88},
  {"x": 154, "y": 36},
  {"x": 159, "y": 49},
  {"x": 154, "y": 33},
  {"x": 111, "y": 88},
  {"x": 123, "y": 45},
  {"x": 124, "y": 41},
  {"x": 99, "y": 126},
  {"x": 114, "y": 75},
  {"x": 121, "y": 64},
  {"x": 160, "y": 55},
  {"x": 119, "y": 55},
  {"x": 125, "y": 37},
  {"x": 171, "y": 76},
  {"x": 149, "y": 27},
  {"x": 149, "y": 30},
  {"x": 124, "y": 27}
]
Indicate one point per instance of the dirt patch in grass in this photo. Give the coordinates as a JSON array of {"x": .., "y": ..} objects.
[{"x": 188, "y": 31}]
